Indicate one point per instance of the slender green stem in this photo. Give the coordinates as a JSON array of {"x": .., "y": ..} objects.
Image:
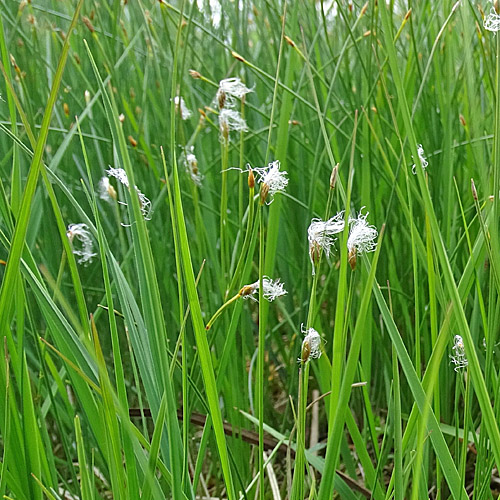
[
  {"x": 224, "y": 243},
  {"x": 260, "y": 359},
  {"x": 221, "y": 310}
]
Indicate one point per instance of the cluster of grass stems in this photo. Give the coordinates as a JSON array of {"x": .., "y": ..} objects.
[{"x": 111, "y": 386}]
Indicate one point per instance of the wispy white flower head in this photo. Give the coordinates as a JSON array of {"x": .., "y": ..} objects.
[
  {"x": 492, "y": 20},
  {"x": 180, "y": 105},
  {"x": 81, "y": 233},
  {"x": 459, "y": 359},
  {"x": 106, "y": 190},
  {"x": 118, "y": 173},
  {"x": 311, "y": 345},
  {"x": 121, "y": 175},
  {"x": 191, "y": 166},
  {"x": 272, "y": 289},
  {"x": 421, "y": 158},
  {"x": 272, "y": 180},
  {"x": 229, "y": 119},
  {"x": 320, "y": 234},
  {"x": 361, "y": 238},
  {"x": 229, "y": 89}
]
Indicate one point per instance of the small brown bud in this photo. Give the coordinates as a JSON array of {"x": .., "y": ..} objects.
[
  {"x": 92, "y": 14},
  {"x": 294, "y": 122},
  {"x": 88, "y": 23},
  {"x": 374, "y": 109},
  {"x": 77, "y": 58},
  {"x": 474, "y": 191},
  {"x": 364, "y": 9},
  {"x": 315, "y": 252},
  {"x": 251, "y": 179},
  {"x": 221, "y": 98},
  {"x": 132, "y": 141},
  {"x": 367, "y": 33},
  {"x": 333, "y": 176},
  {"x": 194, "y": 74},
  {"x": 462, "y": 120},
  {"x": 289, "y": 41},
  {"x": 306, "y": 351},
  {"x": 352, "y": 258},
  {"x": 264, "y": 191},
  {"x": 202, "y": 112},
  {"x": 407, "y": 15},
  {"x": 237, "y": 56},
  {"x": 246, "y": 290},
  {"x": 66, "y": 109}
]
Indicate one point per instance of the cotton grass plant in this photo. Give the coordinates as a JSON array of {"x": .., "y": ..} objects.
[{"x": 192, "y": 302}]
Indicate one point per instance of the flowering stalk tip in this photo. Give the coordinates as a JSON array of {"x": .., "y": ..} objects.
[
  {"x": 361, "y": 238},
  {"x": 81, "y": 233},
  {"x": 459, "y": 358},
  {"x": 320, "y": 236},
  {"x": 311, "y": 345}
]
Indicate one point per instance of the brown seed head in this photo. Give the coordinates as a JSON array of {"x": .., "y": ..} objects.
[
  {"x": 66, "y": 109},
  {"x": 264, "y": 191},
  {"x": 251, "y": 179},
  {"x": 289, "y": 41},
  {"x": 315, "y": 252},
  {"x": 474, "y": 191},
  {"x": 246, "y": 290},
  {"x": 132, "y": 141},
  {"x": 333, "y": 176},
  {"x": 194, "y": 74},
  {"x": 237, "y": 56},
  {"x": 352, "y": 258},
  {"x": 221, "y": 98},
  {"x": 88, "y": 23},
  {"x": 306, "y": 351}
]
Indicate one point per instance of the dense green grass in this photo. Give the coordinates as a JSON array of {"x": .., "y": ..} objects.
[{"x": 110, "y": 384}]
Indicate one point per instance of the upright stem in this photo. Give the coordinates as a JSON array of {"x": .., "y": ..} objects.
[
  {"x": 260, "y": 359},
  {"x": 224, "y": 256}
]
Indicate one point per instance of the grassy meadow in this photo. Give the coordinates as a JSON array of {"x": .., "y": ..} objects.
[{"x": 249, "y": 250}]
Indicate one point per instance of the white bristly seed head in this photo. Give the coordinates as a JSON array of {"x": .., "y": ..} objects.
[
  {"x": 492, "y": 20},
  {"x": 361, "y": 238},
  {"x": 272, "y": 289},
  {"x": 229, "y": 119},
  {"x": 118, "y": 173},
  {"x": 459, "y": 359},
  {"x": 421, "y": 157},
  {"x": 320, "y": 234},
  {"x": 81, "y": 233},
  {"x": 180, "y": 105},
  {"x": 229, "y": 89},
  {"x": 145, "y": 203},
  {"x": 191, "y": 166},
  {"x": 272, "y": 179},
  {"x": 311, "y": 345}
]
